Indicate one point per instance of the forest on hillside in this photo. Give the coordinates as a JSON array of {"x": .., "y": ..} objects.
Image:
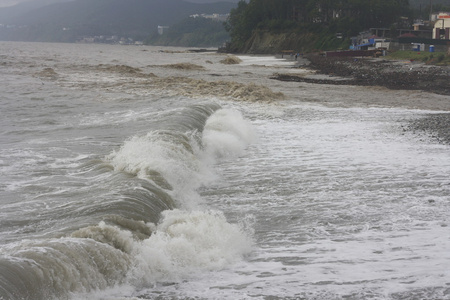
[{"x": 319, "y": 18}]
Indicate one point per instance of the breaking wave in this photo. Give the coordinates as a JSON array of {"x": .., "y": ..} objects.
[
  {"x": 171, "y": 241},
  {"x": 183, "y": 66},
  {"x": 226, "y": 89},
  {"x": 231, "y": 60},
  {"x": 175, "y": 85}
]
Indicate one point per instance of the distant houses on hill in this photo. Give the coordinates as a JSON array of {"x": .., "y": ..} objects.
[
  {"x": 434, "y": 33},
  {"x": 161, "y": 29},
  {"x": 215, "y": 17},
  {"x": 102, "y": 39}
]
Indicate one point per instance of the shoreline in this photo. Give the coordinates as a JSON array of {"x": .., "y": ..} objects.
[
  {"x": 436, "y": 126},
  {"x": 391, "y": 74}
]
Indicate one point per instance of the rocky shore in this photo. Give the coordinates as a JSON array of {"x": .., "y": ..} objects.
[{"x": 376, "y": 72}]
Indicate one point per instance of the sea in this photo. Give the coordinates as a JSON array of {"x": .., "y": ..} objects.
[{"x": 143, "y": 172}]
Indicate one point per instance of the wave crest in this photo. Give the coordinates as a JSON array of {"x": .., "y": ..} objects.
[
  {"x": 189, "y": 242},
  {"x": 227, "y": 89}
]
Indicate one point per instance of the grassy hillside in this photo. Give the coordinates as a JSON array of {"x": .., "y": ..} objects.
[{"x": 433, "y": 58}]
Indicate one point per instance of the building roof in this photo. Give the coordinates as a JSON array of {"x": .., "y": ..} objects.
[
  {"x": 364, "y": 45},
  {"x": 407, "y": 35}
]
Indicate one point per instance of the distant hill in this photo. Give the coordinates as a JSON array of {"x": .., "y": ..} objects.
[
  {"x": 192, "y": 32},
  {"x": 10, "y": 12},
  {"x": 67, "y": 22}
]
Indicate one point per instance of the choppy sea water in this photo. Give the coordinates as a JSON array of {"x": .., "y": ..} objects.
[{"x": 153, "y": 173}]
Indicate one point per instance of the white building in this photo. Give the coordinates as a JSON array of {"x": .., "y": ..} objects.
[
  {"x": 161, "y": 29},
  {"x": 441, "y": 30}
]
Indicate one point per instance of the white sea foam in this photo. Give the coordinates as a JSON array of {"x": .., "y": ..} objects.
[
  {"x": 227, "y": 134},
  {"x": 269, "y": 61},
  {"x": 184, "y": 244},
  {"x": 159, "y": 153},
  {"x": 176, "y": 161}
]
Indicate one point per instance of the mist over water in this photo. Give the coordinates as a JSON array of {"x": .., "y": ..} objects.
[{"x": 126, "y": 176}]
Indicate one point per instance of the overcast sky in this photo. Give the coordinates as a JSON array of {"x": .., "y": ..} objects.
[
  {"x": 4, "y": 3},
  {"x": 7, "y": 2}
]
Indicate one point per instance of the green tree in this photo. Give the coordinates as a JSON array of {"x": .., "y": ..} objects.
[
  {"x": 239, "y": 24},
  {"x": 323, "y": 17}
]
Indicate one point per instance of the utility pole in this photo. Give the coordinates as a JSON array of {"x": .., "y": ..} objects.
[{"x": 431, "y": 8}]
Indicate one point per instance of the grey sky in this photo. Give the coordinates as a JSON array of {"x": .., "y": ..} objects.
[{"x": 4, "y": 3}]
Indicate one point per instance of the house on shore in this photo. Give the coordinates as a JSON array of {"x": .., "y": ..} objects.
[
  {"x": 432, "y": 35},
  {"x": 441, "y": 30},
  {"x": 369, "y": 41}
]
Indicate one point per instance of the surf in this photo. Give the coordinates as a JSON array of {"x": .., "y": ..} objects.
[{"x": 152, "y": 226}]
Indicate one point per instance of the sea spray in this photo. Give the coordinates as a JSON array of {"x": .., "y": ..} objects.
[
  {"x": 187, "y": 243},
  {"x": 227, "y": 134},
  {"x": 164, "y": 157},
  {"x": 184, "y": 246},
  {"x": 182, "y": 162},
  {"x": 145, "y": 229}
]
